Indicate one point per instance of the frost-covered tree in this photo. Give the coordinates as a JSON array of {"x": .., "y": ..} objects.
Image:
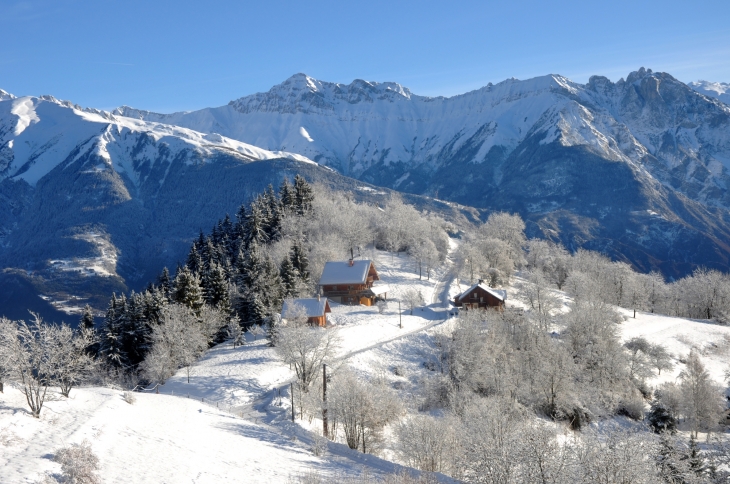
[
  {"x": 305, "y": 348},
  {"x": 33, "y": 351},
  {"x": 178, "y": 340},
  {"x": 361, "y": 409},
  {"x": 702, "y": 402},
  {"x": 72, "y": 363},
  {"x": 87, "y": 318},
  {"x": 413, "y": 298},
  {"x": 428, "y": 443}
]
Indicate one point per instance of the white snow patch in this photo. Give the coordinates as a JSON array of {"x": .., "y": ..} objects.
[{"x": 305, "y": 134}]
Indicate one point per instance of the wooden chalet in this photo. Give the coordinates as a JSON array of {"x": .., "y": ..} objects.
[
  {"x": 481, "y": 296},
  {"x": 351, "y": 282},
  {"x": 316, "y": 309}
]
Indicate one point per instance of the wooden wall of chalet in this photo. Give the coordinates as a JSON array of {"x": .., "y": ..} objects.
[{"x": 318, "y": 320}]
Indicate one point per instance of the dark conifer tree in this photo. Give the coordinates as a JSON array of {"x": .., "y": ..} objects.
[
  {"x": 110, "y": 346},
  {"x": 135, "y": 330},
  {"x": 696, "y": 460},
  {"x": 239, "y": 228},
  {"x": 303, "y": 195},
  {"x": 194, "y": 261},
  {"x": 215, "y": 287},
  {"x": 187, "y": 290},
  {"x": 300, "y": 261},
  {"x": 274, "y": 214},
  {"x": 289, "y": 278},
  {"x": 256, "y": 226},
  {"x": 287, "y": 196},
  {"x": 164, "y": 282}
]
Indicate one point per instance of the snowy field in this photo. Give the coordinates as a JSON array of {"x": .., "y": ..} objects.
[{"x": 231, "y": 423}]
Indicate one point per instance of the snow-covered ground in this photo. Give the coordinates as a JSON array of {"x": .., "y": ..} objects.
[{"x": 231, "y": 423}]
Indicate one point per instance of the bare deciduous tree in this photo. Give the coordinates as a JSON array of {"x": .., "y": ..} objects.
[
  {"x": 306, "y": 348},
  {"x": 413, "y": 298}
]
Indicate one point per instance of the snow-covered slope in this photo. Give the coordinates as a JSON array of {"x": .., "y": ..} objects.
[
  {"x": 37, "y": 134},
  {"x": 718, "y": 90}
]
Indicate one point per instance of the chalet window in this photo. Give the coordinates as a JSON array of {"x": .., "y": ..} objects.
[
  {"x": 473, "y": 295},
  {"x": 481, "y": 299},
  {"x": 334, "y": 288},
  {"x": 349, "y": 288}
]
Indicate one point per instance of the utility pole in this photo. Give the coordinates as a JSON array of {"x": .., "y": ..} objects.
[
  {"x": 400, "y": 317},
  {"x": 291, "y": 390},
  {"x": 325, "y": 431}
]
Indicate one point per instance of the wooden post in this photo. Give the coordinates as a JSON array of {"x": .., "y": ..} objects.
[
  {"x": 291, "y": 389},
  {"x": 400, "y": 317},
  {"x": 325, "y": 432}
]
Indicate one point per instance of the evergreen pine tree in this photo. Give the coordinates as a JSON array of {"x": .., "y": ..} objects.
[
  {"x": 133, "y": 329},
  {"x": 194, "y": 261},
  {"x": 215, "y": 287},
  {"x": 660, "y": 418},
  {"x": 87, "y": 318},
  {"x": 255, "y": 230},
  {"x": 287, "y": 196},
  {"x": 300, "y": 261},
  {"x": 289, "y": 278},
  {"x": 274, "y": 214},
  {"x": 303, "y": 195},
  {"x": 110, "y": 346},
  {"x": 187, "y": 290},
  {"x": 696, "y": 460},
  {"x": 164, "y": 282},
  {"x": 669, "y": 461},
  {"x": 239, "y": 228}
]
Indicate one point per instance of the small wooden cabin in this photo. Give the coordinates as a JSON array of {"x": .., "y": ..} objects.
[
  {"x": 351, "y": 282},
  {"x": 316, "y": 309},
  {"x": 481, "y": 296}
]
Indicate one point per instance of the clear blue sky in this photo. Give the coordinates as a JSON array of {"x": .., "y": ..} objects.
[{"x": 181, "y": 55}]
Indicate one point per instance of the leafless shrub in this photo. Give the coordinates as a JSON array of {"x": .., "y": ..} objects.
[
  {"x": 319, "y": 445},
  {"x": 129, "y": 398},
  {"x": 78, "y": 464}
]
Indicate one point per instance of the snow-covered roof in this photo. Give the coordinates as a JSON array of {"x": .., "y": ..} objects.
[
  {"x": 498, "y": 293},
  {"x": 341, "y": 272},
  {"x": 313, "y": 306},
  {"x": 378, "y": 290}
]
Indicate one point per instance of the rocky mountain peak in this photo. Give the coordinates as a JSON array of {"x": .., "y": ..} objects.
[{"x": 4, "y": 95}]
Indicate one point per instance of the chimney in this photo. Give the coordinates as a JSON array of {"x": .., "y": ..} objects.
[
  {"x": 480, "y": 281},
  {"x": 319, "y": 297},
  {"x": 352, "y": 262}
]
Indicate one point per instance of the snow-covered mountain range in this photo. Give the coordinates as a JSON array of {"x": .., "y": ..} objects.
[
  {"x": 92, "y": 202},
  {"x": 646, "y": 156},
  {"x": 637, "y": 168},
  {"x": 718, "y": 90},
  {"x": 382, "y": 133}
]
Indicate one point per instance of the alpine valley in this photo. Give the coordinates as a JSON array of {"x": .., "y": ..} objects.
[{"x": 93, "y": 202}]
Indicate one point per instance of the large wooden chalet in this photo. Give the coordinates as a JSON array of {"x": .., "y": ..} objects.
[
  {"x": 316, "y": 309},
  {"x": 481, "y": 296},
  {"x": 351, "y": 282}
]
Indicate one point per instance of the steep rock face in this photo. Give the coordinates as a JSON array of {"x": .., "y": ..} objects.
[{"x": 637, "y": 168}]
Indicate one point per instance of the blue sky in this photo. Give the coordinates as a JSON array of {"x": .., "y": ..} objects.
[{"x": 180, "y": 55}]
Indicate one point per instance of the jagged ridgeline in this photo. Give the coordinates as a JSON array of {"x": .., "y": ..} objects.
[{"x": 272, "y": 249}]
